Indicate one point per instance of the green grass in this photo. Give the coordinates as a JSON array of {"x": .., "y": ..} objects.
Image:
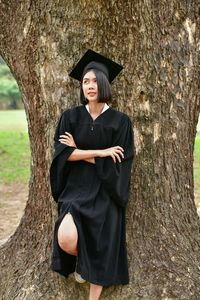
[
  {"x": 14, "y": 157},
  {"x": 197, "y": 147},
  {"x": 13, "y": 120},
  {"x": 14, "y": 147}
]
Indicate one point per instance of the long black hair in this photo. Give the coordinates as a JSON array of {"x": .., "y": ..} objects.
[{"x": 104, "y": 87}]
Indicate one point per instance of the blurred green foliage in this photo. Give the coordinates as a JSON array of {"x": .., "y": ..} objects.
[{"x": 10, "y": 96}]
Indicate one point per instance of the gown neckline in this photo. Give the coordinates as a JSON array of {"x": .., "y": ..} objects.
[{"x": 93, "y": 120}]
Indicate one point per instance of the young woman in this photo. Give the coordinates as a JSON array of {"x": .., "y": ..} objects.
[{"x": 90, "y": 180}]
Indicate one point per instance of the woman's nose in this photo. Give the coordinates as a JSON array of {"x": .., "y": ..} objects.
[{"x": 91, "y": 85}]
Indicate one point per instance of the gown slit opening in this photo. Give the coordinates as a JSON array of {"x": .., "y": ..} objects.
[{"x": 69, "y": 210}]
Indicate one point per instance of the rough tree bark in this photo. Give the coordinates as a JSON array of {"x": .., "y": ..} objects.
[{"x": 157, "y": 42}]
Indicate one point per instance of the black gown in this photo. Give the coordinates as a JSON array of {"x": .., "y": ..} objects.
[{"x": 95, "y": 194}]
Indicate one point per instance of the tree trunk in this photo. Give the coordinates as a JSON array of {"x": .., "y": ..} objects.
[{"x": 156, "y": 42}]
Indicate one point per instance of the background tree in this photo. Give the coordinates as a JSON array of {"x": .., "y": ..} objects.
[
  {"x": 157, "y": 43},
  {"x": 2, "y": 62},
  {"x": 10, "y": 96}
]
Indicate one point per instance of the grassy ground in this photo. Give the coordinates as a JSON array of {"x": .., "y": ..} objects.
[
  {"x": 14, "y": 157},
  {"x": 14, "y": 147},
  {"x": 13, "y": 120}
]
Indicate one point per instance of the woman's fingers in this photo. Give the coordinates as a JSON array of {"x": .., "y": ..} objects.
[
  {"x": 117, "y": 153},
  {"x": 69, "y": 134},
  {"x": 119, "y": 148},
  {"x": 120, "y": 152},
  {"x": 64, "y": 141},
  {"x": 67, "y": 139},
  {"x": 118, "y": 157},
  {"x": 113, "y": 157},
  {"x": 65, "y": 136}
]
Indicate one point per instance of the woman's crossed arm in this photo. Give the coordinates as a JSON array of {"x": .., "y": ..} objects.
[{"x": 115, "y": 152}]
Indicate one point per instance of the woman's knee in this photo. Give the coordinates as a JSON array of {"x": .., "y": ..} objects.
[
  {"x": 66, "y": 240},
  {"x": 67, "y": 234}
]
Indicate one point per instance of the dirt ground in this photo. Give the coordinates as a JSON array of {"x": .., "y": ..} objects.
[{"x": 13, "y": 197}]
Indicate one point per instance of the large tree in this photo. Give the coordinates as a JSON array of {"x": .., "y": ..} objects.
[{"x": 157, "y": 43}]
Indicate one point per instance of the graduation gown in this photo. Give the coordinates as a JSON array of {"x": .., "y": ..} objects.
[{"x": 95, "y": 194}]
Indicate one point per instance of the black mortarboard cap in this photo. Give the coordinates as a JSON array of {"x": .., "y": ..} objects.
[{"x": 92, "y": 60}]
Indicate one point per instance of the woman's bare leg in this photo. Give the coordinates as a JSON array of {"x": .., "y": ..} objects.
[
  {"x": 95, "y": 291},
  {"x": 68, "y": 235},
  {"x": 68, "y": 240}
]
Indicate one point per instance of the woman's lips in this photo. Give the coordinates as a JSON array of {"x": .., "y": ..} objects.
[{"x": 92, "y": 93}]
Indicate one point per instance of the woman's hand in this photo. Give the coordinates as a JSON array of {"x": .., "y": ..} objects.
[
  {"x": 67, "y": 139},
  {"x": 115, "y": 152}
]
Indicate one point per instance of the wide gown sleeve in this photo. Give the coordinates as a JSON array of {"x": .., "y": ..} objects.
[
  {"x": 116, "y": 176},
  {"x": 60, "y": 166}
]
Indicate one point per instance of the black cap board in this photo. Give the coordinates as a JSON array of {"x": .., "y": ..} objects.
[{"x": 95, "y": 60}]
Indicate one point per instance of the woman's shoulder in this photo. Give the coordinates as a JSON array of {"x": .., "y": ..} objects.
[{"x": 119, "y": 114}]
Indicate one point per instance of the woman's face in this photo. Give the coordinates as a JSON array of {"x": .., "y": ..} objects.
[{"x": 89, "y": 86}]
